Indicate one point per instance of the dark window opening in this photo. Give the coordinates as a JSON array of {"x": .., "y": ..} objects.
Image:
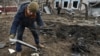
[
  {"x": 94, "y": 4},
  {"x": 65, "y": 4},
  {"x": 57, "y": 4},
  {"x": 75, "y": 4}
]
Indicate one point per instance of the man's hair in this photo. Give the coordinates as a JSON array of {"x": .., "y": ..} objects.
[{"x": 33, "y": 6}]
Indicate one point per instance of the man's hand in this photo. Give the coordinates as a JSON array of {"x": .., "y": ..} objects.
[
  {"x": 40, "y": 27},
  {"x": 11, "y": 36}
]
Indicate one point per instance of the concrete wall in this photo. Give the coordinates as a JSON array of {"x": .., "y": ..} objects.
[{"x": 86, "y": 1}]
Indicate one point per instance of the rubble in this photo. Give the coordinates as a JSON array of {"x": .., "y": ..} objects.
[
  {"x": 11, "y": 51},
  {"x": 61, "y": 36},
  {"x": 2, "y": 45},
  {"x": 34, "y": 54}
]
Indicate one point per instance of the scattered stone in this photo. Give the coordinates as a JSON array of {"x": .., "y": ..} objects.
[
  {"x": 2, "y": 45},
  {"x": 35, "y": 54},
  {"x": 11, "y": 51}
]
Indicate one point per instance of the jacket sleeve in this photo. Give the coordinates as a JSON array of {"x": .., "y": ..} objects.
[
  {"x": 15, "y": 24},
  {"x": 39, "y": 20}
]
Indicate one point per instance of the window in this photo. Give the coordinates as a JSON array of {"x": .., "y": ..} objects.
[
  {"x": 65, "y": 4},
  {"x": 57, "y": 3},
  {"x": 75, "y": 4}
]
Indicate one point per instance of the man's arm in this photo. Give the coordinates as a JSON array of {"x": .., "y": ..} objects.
[
  {"x": 15, "y": 24},
  {"x": 39, "y": 20},
  {"x": 17, "y": 18}
]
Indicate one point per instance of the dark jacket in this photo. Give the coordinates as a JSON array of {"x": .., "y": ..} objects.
[{"x": 21, "y": 19}]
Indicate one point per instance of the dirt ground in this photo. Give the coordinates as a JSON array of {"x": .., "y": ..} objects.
[{"x": 61, "y": 36}]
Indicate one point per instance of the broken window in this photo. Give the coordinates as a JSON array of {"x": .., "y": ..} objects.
[
  {"x": 95, "y": 4},
  {"x": 65, "y": 4},
  {"x": 57, "y": 3},
  {"x": 75, "y": 4}
]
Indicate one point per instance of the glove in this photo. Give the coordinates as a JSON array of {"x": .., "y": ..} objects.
[
  {"x": 11, "y": 36},
  {"x": 40, "y": 27}
]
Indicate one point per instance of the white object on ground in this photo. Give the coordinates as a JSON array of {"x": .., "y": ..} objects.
[
  {"x": 96, "y": 14},
  {"x": 0, "y": 11},
  {"x": 11, "y": 51},
  {"x": 2, "y": 45},
  {"x": 35, "y": 54}
]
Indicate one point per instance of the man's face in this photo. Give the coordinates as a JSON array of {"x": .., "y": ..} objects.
[{"x": 30, "y": 14}]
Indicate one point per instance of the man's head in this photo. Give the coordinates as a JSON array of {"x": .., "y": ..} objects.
[{"x": 33, "y": 7}]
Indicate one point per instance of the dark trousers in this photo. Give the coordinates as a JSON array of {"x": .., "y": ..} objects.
[{"x": 20, "y": 37}]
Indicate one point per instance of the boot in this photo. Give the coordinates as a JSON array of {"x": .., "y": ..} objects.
[{"x": 40, "y": 46}]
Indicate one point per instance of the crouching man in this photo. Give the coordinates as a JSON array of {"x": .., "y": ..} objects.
[{"x": 26, "y": 16}]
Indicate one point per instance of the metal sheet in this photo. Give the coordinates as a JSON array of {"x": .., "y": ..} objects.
[{"x": 47, "y": 10}]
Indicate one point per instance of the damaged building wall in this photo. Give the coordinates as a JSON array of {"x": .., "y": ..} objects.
[
  {"x": 74, "y": 4},
  {"x": 94, "y": 8},
  {"x": 67, "y": 4},
  {"x": 86, "y": 2}
]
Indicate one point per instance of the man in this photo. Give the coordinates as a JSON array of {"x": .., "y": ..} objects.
[
  {"x": 26, "y": 16},
  {"x": 58, "y": 8}
]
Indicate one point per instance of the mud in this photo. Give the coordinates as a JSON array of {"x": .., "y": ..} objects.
[{"x": 60, "y": 39}]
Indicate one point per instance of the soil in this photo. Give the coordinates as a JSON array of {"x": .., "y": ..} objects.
[{"x": 61, "y": 37}]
